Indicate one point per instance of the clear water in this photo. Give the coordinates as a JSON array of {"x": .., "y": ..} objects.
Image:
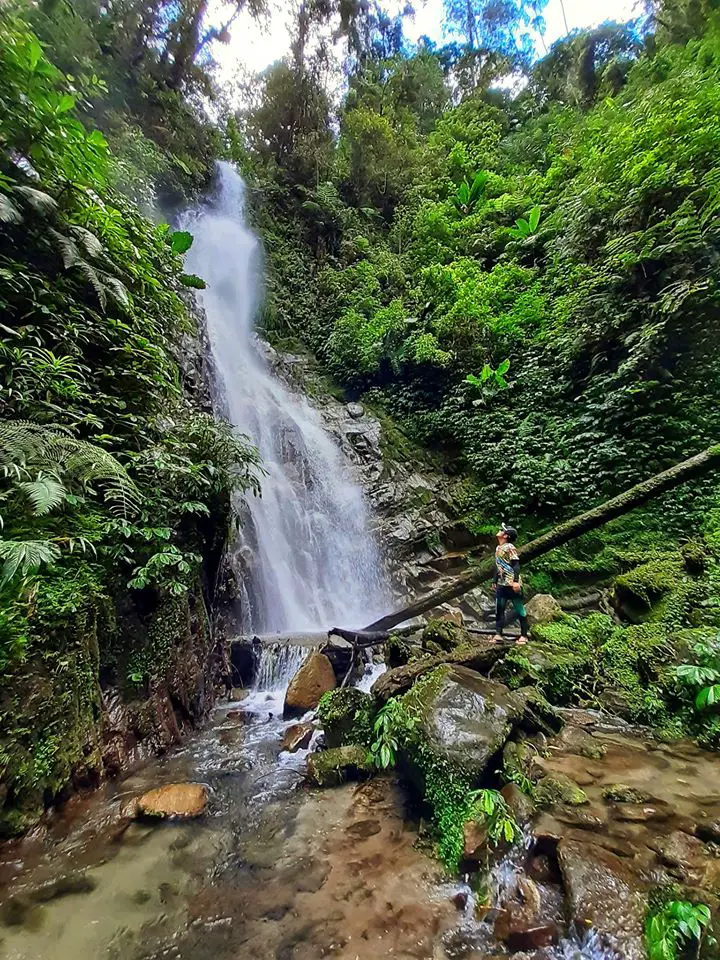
[{"x": 307, "y": 558}]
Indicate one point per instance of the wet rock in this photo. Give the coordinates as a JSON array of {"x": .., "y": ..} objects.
[
  {"x": 622, "y": 793},
  {"x": 443, "y": 634},
  {"x": 709, "y": 830},
  {"x": 679, "y": 850},
  {"x": 521, "y": 805},
  {"x": 521, "y": 761},
  {"x": 604, "y": 894},
  {"x": 177, "y": 801},
  {"x": 539, "y": 715},
  {"x": 557, "y": 788},
  {"x": 314, "y": 678},
  {"x": 356, "y": 410},
  {"x": 542, "y": 869},
  {"x": 642, "y": 812},
  {"x": 460, "y": 900},
  {"x": 346, "y": 716},
  {"x": 363, "y": 829},
  {"x": 522, "y": 936},
  {"x": 71, "y": 883},
  {"x": 543, "y": 608},
  {"x": 297, "y": 737},
  {"x": 475, "y": 838},
  {"x": 579, "y": 817},
  {"x": 478, "y": 657},
  {"x": 465, "y": 719},
  {"x": 329, "y": 768}
]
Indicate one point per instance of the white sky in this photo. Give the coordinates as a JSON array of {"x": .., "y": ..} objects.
[{"x": 253, "y": 48}]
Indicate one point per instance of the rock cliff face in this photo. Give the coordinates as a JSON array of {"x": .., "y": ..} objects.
[{"x": 416, "y": 521}]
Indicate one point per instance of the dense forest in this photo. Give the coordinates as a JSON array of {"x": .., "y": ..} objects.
[{"x": 513, "y": 259}]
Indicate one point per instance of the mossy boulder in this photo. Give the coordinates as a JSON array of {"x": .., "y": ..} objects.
[
  {"x": 558, "y": 788},
  {"x": 461, "y": 719},
  {"x": 622, "y": 793},
  {"x": 638, "y": 591},
  {"x": 443, "y": 634},
  {"x": 398, "y": 650},
  {"x": 330, "y": 768},
  {"x": 543, "y": 608},
  {"x": 346, "y": 716}
]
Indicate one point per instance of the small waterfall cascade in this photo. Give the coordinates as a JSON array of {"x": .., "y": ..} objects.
[
  {"x": 307, "y": 557},
  {"x": 278, "y": 664}
]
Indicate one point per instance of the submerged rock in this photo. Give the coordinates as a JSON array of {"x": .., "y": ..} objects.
[
  {"x": 297, "y": 737},
  {"x": 314, "y": 678},
  {"x": 558, "y": 788},
  {"x": 329, "y": 768},
  {"x": 622, "y": 793},
  {"x": 177, "y": 800},
  {"x": 604, "y": 894}
]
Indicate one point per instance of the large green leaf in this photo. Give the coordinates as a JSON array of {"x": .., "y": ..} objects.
[{"x": 181, "y": 241}]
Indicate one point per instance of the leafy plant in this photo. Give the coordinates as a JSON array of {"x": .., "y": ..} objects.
[
  {"x": 490, "y": 808},
  {"x": 678, "y": 924},
  {"x": 468, "y": 194},
  {"x": 524, "y": 228},
  {"x": 388, "y": 723},
  {"x": 703, "y": 677},
  {"x": 490, "y": 382}
]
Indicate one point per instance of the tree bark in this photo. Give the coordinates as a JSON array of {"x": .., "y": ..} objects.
[{"x": 633, "y": 497}]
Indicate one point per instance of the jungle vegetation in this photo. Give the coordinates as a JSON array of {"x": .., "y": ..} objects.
[{"x": 516, "y": 259}]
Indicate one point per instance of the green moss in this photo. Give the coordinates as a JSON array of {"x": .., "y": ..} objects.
[
  {"x": 638, "y": 590},
  {"x": 346, "y": 716},
  {"x": 50, "y": 703},
  {"x": 330, "y": 768},
  {"x": 443, "y": 634},
  {"x": 622, "y": 793},
  {"x": 557, "y": 788}
]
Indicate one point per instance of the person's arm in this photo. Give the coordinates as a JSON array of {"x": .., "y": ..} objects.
[{"x": 515, "y": 564}]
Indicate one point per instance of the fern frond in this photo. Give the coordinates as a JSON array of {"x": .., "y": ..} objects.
[
  {"x": 66, "y": 247},
  {"x": 9, "y": 213},
  {"x": 35, "y": 448},
  {"x": 45, "y": 493},
  {"x": 25, "y": 557},
  {"x": 117, "y": 290},
  {"x": 92, "y": 277},
  {"x": 93, "y": 247}
]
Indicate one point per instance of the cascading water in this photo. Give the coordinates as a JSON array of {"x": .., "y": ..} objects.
[{"x": 309, "y": 558}]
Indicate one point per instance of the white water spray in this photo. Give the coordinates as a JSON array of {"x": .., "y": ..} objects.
[{"x": 308, "y": 558}]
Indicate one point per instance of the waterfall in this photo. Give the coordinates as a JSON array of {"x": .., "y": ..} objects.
[
  {"x": 306, "y": 557},
  {"x": 279, "y": 662}
]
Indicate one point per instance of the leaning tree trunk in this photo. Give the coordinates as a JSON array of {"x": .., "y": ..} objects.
[{"x": 634, "y": 497}]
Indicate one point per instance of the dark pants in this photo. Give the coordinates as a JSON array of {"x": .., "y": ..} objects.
[{"x": 502, "y": 595}]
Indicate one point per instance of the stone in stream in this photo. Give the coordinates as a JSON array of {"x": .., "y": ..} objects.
[
  {"x": 346, "y": 716},
  {"x": 604, "y": 894},
  {"x": 356, "y": 410},
  {"x": 180, "y": 801},
  {"x": 558, "y": 788},
  {"x": 314, "y": 678},
  {"x": 297, "y": 737},
  {"x": 464, "y": 719},
  {"x": 622, "y": 793},
  {"x": 330, "y": 768}
]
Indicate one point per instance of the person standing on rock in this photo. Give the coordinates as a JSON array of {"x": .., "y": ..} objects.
[{"x": 507, "y": 583}]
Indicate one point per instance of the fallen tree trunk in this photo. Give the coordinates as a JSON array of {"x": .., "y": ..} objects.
[{"x": 633, "y": 497}]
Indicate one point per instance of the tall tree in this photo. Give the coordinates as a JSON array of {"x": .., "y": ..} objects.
[{"x": 502, "y": 25}]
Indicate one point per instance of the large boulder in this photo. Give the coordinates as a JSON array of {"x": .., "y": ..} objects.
[
  {"x": 543, "y": 608},
  {"x": 178, "y": 801},
  {"x": 464, "y": 719},
  {"x": 346, "y": 716},
  {"x": 605, "y": 895},
  {"x": 314, "y": 678}
]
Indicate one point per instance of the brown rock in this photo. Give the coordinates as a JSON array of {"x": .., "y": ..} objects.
[
  {"x": 542, "y": 869},
  {"x": 297, "y": 737},
  {"x": 680, "y": 850},
  {"x": 604, "y": 894},
  {"x": 642, "y": 812},
  {"x": 177, "y": 800},
  {"x": 522, "y": 806},
  {"x": 475, "y": 837},
  {"x": 314, "y": 678},
  {"x": 523, "y": 936},
  {"x": 577, "y": 817}
]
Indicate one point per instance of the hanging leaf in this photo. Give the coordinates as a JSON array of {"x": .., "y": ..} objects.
[
  {"x": 191, "y": 280},
  {"x": 181, "y": 241},
  {"x": 9, "y": 213},
  {"x": 534, "y": 219},
  {"x": 40, "y": 201}
]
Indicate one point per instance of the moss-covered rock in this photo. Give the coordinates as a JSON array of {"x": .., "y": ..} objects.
[
  {"x": 622, "y": 793},
  {"x": 346, "y": 716},
  {"x": 639, "y": 590},
  {"x": 330, "y": 768},
  {"x": 558, "y": 788},
  {"x": 444, "y": 634}
]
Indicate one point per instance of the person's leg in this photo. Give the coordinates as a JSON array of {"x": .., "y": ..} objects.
[
  {"x": 520, "y": 610},
  {"x": 500, "y": 601}
]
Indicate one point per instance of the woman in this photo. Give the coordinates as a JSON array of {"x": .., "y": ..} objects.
[{"x": 507, "y": 583}]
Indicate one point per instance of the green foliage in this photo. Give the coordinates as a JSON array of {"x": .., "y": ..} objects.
[
  {"x": 678, "y": 924},
  {"x": 390, "y": 724},
  {"x": 490, "y": 808},
  {"x": 703, "y": 676}
]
